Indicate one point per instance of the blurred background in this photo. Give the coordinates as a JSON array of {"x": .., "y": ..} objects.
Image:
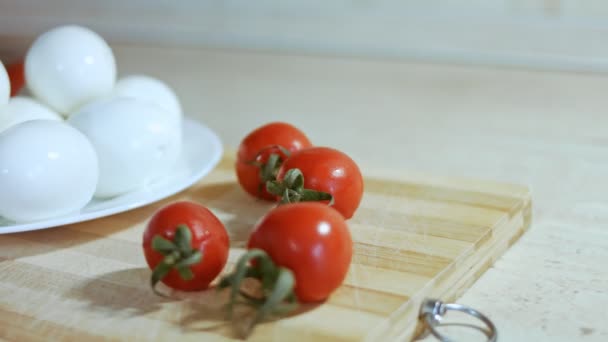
[{"x": 547, "y": 34}]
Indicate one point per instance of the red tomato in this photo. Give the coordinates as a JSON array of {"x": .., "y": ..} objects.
[
  {"x": 208, "y": 236},
  {"x": 331, "y": 171},
  {"x": 312, "y": 240},
  {"x": 256, "y": 148},
  {"x": 16, "y": 76}
]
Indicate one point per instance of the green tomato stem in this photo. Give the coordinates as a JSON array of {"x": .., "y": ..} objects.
[
  {"x": 269, "y": 169},
  {"x": 291, "y": 189},
  {"x": 277, "y": 285},
  {"x": 179, "y": 255}
]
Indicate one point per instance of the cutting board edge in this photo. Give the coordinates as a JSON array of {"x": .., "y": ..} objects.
[{"x": 514, "y": 229}]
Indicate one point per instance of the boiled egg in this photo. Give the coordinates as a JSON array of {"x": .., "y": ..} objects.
[
  {"x": 151, "y": 90},
  {"x": 47, "y": 169},
  {"x": 5, "y": 85},
  {"x": 136, "y": 142},
  {"x": 69, "y": 66},
  {"x": 21, "y": 108}
]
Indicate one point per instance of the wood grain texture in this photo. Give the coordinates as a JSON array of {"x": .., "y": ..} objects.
[{"x": 414, "y": 238}]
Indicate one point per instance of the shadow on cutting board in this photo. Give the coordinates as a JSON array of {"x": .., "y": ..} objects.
[
  {"x": 122, "y": 292},
  {"x": 125, "y": 294}
]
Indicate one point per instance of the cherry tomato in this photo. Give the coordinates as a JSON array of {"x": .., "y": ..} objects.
[
  {"x": 207, "y": 241},
  {"x": 312, "y": 240},
  {"x": 255, "y": 150},
  {"x": 331, "y": 171},
  {"x": 16, "y": 75}
]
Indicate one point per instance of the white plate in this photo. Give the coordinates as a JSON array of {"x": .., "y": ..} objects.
[{"x": 201, "y": 151}]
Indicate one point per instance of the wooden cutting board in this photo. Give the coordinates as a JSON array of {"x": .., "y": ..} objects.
[{"x": 415, "y": 237}]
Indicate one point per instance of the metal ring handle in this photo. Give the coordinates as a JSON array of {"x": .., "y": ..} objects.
[{"x": 432, "y": 311}]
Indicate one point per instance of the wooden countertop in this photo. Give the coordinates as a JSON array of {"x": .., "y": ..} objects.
[{"x": 546, "y": 130}]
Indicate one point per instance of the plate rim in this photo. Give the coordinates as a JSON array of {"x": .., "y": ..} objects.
[{"x": 217, "y": 152}]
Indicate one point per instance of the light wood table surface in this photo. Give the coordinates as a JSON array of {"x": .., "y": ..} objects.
[{"x": 546, "y": 130}]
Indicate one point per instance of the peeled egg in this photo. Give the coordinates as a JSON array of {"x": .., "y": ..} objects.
[
  {"x": 136, "y": 142},
  {"x": 151, "y": 90},
  {"x": 20, "y": 109},
  {"x": 47, "y": 169},
  {"x": 5, "y": 85},
  {"x": 69, "y": 66}
]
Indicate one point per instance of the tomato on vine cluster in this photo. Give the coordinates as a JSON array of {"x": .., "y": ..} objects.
[
  {"x": 300, "y": 251},
  {"x": 277, "y": 161}
]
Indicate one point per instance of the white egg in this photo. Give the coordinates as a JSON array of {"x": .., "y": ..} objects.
[
  {"x": 152, "y": 90},
  {"x": 136, "y": 142},
  {"x": 20, "y": 109},
  {"x": 69, "y": 66},
  {"x": 47, "y": 169},
  {"x": 5, "y": 85}
]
